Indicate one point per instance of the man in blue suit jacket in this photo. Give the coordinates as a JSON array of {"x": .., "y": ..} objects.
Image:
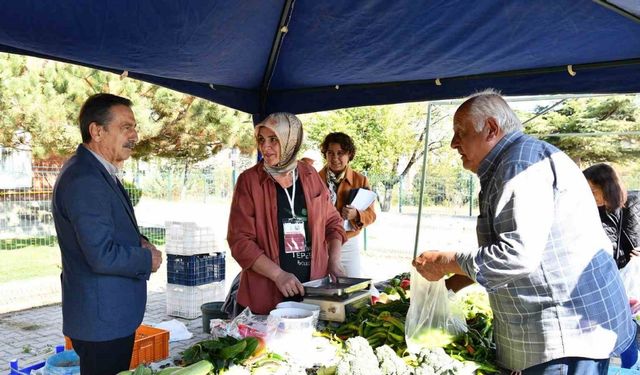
[{"x": 105, "y": 261}]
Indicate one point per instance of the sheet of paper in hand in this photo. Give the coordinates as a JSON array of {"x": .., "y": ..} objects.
[{"x": 360, "y": 199}]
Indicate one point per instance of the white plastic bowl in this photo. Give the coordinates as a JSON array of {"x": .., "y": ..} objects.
[
  {"x": 315, "y": 309},
  {"x": 293, "y": 320},
  {"x": 290, "y": 331}
]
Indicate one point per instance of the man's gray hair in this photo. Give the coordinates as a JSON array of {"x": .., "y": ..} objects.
[{"x": 489, "y": 103}]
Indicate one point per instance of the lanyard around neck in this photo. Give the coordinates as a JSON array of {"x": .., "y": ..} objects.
[{"x": 292, "y": 197}]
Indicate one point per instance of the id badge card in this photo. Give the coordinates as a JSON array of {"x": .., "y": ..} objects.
[{"x": 294, "y": 237}]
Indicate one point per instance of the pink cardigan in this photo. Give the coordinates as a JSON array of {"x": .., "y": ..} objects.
[{"x": 253, "y": 231}]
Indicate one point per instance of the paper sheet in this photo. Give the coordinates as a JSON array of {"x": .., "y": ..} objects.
[{"x": 363, "y": 199}]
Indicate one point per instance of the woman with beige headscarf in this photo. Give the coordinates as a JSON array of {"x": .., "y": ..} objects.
[{"x": 283, "y": 229}]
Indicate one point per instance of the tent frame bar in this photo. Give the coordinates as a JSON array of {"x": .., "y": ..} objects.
[
  {"x": 511, "y": 73},
  {"x": 607, "y": 4}
]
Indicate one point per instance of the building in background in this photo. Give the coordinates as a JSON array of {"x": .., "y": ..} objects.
[{"x": 16, "y": 163}]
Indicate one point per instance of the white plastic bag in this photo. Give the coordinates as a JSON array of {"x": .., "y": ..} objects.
[
  {"x": 177, "y": 330},
  {"x": 631, "y": 279},
  {"x": 435, "y": 317}
]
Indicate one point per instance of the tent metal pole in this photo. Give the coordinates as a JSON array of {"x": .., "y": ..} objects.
[
  {"x": 257, "y": 118},
  {"x": 470, "y": 195},
  {"x": 422, "y": 179},
  {"x": 544, "y": 110},
  {"x": 278, "y": 38}
]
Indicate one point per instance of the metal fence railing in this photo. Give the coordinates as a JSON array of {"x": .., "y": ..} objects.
[
  {"x": 455, "y": 195},
  {"x": 443, "y": 195},
  {"x": 25, "y": 213},
  {"x": 26, "y": 220}
]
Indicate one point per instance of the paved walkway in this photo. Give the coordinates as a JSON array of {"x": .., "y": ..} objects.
[{"x": 28, "y": 335}]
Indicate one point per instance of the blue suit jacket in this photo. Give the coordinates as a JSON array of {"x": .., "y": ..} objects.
[{"x": 104, "y": 267}]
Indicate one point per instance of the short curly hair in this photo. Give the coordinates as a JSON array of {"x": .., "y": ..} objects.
[{"x": 345, "y": 142}]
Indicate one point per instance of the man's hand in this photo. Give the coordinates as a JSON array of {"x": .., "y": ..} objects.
[
  {"x": 635, "y": 252},
  {"x": 146, "y": 244},
  {"x": 288, "y": 284},
  {"x": 434, "y": 265},
  {"x": 349, "y": 213},
  {"x": 156, "y": 259},
  {"x": 457, "y": 282},
  {"x": 156, "y": 255}
]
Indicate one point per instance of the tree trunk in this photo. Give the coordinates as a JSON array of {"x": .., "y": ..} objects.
[
  {"x": 136, "y": 174},
  {"x": 578, "y": 161},
  {"x": 185, "y": 179},
  {"x": 385, "y": 205}
]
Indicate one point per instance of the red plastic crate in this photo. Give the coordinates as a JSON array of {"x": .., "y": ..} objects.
[{"x": 151, "y": 345}]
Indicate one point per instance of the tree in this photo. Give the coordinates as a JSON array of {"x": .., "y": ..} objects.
[
  {"x": 190, "y": 129},
  {"x": 447, "y": 182},
  {"x": 591, "y": 116},
  {"x": 389, "y": 140},
  {"x": 30, "y": 101},
  {"x": 44, "y": 97}
]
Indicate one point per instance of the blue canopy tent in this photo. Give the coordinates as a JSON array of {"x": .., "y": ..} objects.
[{"x": 261, "y": 56}]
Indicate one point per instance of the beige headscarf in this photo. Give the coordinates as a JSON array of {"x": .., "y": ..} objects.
[{"x": 288, "y": 129}]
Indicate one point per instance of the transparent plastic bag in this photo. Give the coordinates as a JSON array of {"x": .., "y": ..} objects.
[
  {"x": 244, "y": 325},
  {"x": 435, "y": 317},
  {"x": 630, "y": 278},
  {"x": 63, "y": 363}
]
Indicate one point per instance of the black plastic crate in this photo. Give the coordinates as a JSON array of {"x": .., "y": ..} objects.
[{"x": 192, "y": 270}]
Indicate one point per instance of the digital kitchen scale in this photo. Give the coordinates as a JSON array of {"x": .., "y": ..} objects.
[
  {"x": 337, "y": 297},
  {"x": 335, "y": 309}
]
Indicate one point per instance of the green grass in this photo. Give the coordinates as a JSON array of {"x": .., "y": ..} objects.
[
  {"x": 35, "y": 257},
  {"x": 19, "y": 243},
  {"x": 28, "y": 262},
  {"x": 155, "y": 235}
]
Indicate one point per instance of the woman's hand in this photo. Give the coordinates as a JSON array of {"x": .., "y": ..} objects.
[
  {"x": 335, "y": 269},
  {"x": 288, "y": 284},
  {"x": 349, "y": 213}
]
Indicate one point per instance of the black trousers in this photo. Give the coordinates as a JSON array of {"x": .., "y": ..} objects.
[{"x": 104, "y": 357}]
